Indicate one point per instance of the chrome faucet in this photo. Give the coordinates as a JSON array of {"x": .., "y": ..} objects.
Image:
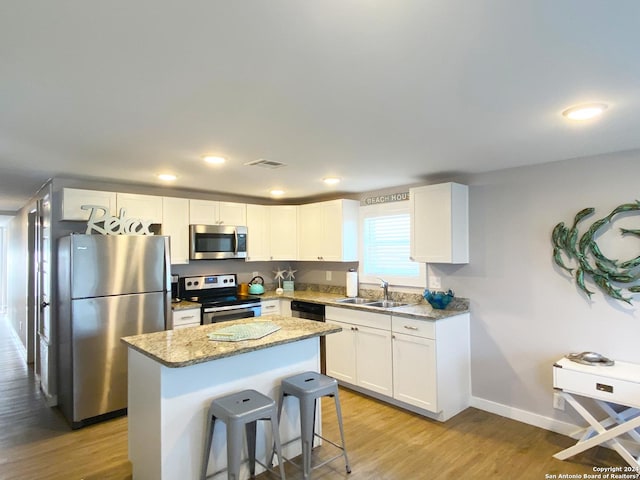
[{"x": 385, "y": 286}]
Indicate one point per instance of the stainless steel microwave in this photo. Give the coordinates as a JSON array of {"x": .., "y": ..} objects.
[{"x": 216, "y": 242}]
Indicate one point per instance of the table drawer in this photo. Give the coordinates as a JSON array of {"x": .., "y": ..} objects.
[{"x": 598, "y": 386}]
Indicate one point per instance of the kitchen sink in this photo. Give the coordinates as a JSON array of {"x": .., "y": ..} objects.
[
  {"x": 385, "y": 304},
  {"x": 367, "y": 302},
  {"x": 354, "y": 300}
]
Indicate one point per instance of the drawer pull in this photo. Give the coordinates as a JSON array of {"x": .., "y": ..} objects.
[
  {"x": 408, "y": 327},
  {"x": 189, "y": 316},
  {"x": 604, "y": 388}
]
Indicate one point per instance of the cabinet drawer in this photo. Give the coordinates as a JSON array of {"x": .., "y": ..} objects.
[
  {"x": 270, "y": 307},
  {"x": 599, "y": 384},
  {"x": 358, "y": 317},
  {"x": 412, "y": 326},
  {"x": 184, "y": 318}
]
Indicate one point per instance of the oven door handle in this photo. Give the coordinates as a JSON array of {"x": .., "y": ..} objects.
[{"x": 245, "y": 307}]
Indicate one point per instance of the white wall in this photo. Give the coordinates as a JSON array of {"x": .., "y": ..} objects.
[{"x": 525, "y": 313}]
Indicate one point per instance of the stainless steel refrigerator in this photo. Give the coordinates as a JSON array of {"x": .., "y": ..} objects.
[{"x": 109, "y": 286}]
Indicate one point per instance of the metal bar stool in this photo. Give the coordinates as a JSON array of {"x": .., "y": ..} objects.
[
  {"x": 308, "y": 387},
  {"x": 236, "y": 410}
]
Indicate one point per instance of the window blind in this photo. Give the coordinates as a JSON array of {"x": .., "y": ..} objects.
[{"x": 386, "y": 246}]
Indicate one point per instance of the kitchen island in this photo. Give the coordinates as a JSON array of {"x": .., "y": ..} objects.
[{"x": 173, "y": 375}]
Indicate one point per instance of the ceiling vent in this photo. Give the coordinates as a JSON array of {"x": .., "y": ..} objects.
[{"x": 265, "y": 163}]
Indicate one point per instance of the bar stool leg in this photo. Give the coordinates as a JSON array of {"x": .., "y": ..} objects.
[
  {"x": 344, "y": 445},
  {"x": 273, "y": 450},
  {"x": 275, "y": 430},
  {"x": 250, "y": 428},
  {"x": 307, "y": 410},
  {"x": 234, "y": 450},
  {"x": 207, "y": 444}
]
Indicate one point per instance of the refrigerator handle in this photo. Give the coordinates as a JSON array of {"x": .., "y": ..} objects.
[{"x": 168, "y": 312}]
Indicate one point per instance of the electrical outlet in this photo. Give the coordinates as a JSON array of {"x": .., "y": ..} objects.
[
  {"x": 558, "y": 401},
  {"x": 434, "y": 282},
  {"x": 255, "y": 274},
  {"x": 328, "y": 275}
]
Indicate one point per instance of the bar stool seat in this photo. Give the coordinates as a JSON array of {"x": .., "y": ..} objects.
[
  {"x": 308, "y": 387},
  {"x": 237, "y": 410}
]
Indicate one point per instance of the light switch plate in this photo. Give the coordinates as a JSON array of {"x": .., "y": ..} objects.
[
  {"x": 328, "y": 275},
  {"x": 435, "y": 283}
]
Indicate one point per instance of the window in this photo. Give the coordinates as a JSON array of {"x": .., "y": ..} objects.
[{"x": 385, "y": 248}]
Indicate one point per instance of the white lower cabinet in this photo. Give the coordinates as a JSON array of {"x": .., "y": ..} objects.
[
  {"x": 414, "y": 372},
  {"x": 419, "y": 364},
  {"x": 341, "y": 353},
  {"x": 285, "y": 307},
  {"x": 431, "y": 364},
  {"x": 361, "y": 353},
  {"x": 373, "y": 359},
  {"x": 189, "y": 317}
]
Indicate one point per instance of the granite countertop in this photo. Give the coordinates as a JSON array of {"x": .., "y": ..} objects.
[
  {"x": 420, "y": 310},
  {"x": 189, "y": 346},
  {"x": 184, "y": 305}
]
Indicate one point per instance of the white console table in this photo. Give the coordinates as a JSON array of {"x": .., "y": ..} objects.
[{"x": 618, "y": 384}]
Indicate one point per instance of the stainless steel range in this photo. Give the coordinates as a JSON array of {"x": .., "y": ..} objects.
[{"x": 218, "y": 295}]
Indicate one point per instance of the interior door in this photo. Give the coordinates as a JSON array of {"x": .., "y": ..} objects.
[{"x": 44, "y": 359}]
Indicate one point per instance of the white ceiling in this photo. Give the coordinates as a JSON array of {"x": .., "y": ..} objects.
[{"x": 378, "y": 92}]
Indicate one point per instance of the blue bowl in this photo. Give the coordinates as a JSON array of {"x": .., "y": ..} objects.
[{"x": 438, "y": 299}]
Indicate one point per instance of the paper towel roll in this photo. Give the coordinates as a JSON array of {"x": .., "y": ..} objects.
[{"x": 352, "y": 284}]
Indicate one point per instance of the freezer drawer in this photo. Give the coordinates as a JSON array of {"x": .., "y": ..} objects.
[
  {"x": 619, "y": 383},
  {"x": 99, "y": 358}
]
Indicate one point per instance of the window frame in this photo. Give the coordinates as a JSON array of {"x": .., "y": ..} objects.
[{"x": 379, "y": 210}]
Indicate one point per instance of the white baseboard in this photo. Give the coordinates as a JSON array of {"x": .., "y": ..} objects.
[
  {"x": 524, "y": 416},
  {"x": 540, "y": 421}
]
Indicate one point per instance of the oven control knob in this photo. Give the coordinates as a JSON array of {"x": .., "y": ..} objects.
[
  {"x": 196, "y": 282},
  {"x": 188, "y": 284}
]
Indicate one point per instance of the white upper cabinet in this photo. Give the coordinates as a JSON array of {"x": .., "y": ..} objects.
[
  {"x": 203, "y": 212},
  {"x": 272, "y": 232},
  {"x": 233, "y": 213},
  {"x": 328, "y": 231},
  {"x": 258, "y": 231},
  {"x": 145, "y": 207},
  {"x": 208, "y": 212},
  {"x": 440, "y": 223},
  {"x": 74, "y": 198},
  {"x": 175, "y": 224},
  {"x": 283, "y": 232}
]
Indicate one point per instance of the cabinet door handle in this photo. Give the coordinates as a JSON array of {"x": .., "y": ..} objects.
[
  {"x": 408, "y": 327},
  {"x": 190, "y": 316}
]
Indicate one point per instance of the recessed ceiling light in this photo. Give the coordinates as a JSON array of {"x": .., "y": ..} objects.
[
  {"x": 167, "y": 177},
  {"x": 331, "y": 180},
  {"x": 276, "y": 192},
  {"x": 584, "y": 112},
  {"x": 214, "y": 160}
]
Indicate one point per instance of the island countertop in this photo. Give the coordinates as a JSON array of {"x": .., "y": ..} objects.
[{"x": 189, "y": 346}]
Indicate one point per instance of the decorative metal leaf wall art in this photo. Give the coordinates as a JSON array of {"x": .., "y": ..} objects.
[{"x": 609, "y": 275}]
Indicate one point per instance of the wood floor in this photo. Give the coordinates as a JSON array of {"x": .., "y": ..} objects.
[{"x": 384, "y": 443}]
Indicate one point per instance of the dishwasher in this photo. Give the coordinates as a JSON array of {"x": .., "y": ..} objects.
[{"x": 312, "y": 311}]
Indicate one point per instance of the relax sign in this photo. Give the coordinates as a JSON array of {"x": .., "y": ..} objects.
[{"x": 100, "y": 222}]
